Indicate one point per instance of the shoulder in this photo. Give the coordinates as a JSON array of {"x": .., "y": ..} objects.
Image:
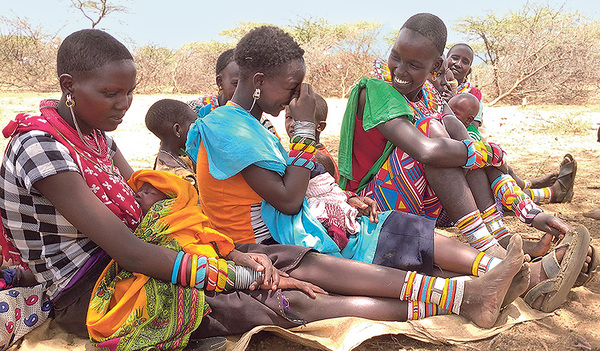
[{"x": 34, "y": 155}]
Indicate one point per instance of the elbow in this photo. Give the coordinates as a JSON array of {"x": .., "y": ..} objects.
[
  {"x": 426, "y": 156},
  {"x": 291, "y": 208}
]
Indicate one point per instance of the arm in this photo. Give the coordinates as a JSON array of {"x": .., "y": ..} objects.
[
  {"x": 439, "y": 152},
  {"x": 285, "y": 193},
  {"x": 71, "y": 196}
]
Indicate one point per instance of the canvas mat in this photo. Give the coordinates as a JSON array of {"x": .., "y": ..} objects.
[{"x": 339, "y": 334}]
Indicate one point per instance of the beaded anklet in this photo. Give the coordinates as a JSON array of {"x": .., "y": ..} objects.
[{"x": 506, "y": 188}]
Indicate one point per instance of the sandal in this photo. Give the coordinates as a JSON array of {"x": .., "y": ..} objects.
[
  {"x": 566, "y": 178},
  {"x": 561, "y": 276},
  {"x": 585, "y": 277}
]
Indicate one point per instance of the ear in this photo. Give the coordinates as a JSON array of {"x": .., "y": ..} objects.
[
  {"x": 437, "y": 65},
  {"x": 66, "y": 83},
  {"x": 321, "y": 126},
  {"x": 467, "y": 75},
  {"x": 219, "y": 80},
  {"x": 258, "y": 80},
  {"x": 177, "y": 130}
]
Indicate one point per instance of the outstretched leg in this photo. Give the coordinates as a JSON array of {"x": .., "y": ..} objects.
[{"x": 479, "y": 299}]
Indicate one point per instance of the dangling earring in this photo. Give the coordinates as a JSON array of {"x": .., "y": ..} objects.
[
  {"x": 255, "y": 97},
  {"x": 434, "y": 76},
  {"x": 220, "y": 91},
  {"x": 70, "y": 103}
]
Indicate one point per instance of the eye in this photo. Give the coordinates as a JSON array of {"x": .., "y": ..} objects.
[{"x": 110, "y": 94}]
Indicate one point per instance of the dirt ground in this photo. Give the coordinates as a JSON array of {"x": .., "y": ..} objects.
[{"x": 536, "y": 139}]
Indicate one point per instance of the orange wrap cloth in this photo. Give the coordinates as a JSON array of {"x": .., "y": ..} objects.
[
  {"x": 132, "y": 311},
  {"x": 183, "y": 220}
]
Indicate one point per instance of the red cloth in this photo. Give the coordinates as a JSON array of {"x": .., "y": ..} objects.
[
  {"x": 367, "y": 146},
  {"x": 98, "y": 171}
]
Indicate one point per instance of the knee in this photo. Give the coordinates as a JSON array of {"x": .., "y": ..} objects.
[{"x": 437, "y": 130}]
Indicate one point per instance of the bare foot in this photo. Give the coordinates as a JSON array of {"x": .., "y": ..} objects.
[
  {"x": 595, "y": 213},
  {"x": 533, "y": 248},
  {"x": 519, "y": 284},
  {"x": 497, "y": 251},
  {"x": 544, "y": 181},
  {"x": 483, "y": 296}
]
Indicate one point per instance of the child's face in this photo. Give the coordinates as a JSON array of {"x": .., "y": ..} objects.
[
  {"x": 277, "y": 90},
  {"x": 289, "y": 122},
  {"x": 460, "y": 59},
  {"x": 412, "y": 60},
  {"x": 229, "y": 80},
  {"x": 102, "y": 96},
  {"x": 147, "y": 195}
]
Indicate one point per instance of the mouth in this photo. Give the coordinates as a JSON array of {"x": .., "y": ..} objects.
[
  {"x": 117, "y": 119},
  {"x": 400, "y": 83}
]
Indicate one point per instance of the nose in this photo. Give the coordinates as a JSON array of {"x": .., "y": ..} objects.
[{"x": 124, "y": 102}]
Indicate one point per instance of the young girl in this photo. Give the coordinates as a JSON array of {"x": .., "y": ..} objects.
[
  {"x": 226, "y": 78},
  {"x": 66, "y": 207},
  {"x": 385, "y": 156}
]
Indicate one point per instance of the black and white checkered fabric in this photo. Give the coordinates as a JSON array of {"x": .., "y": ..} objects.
[{"x": 47, "y": 242}]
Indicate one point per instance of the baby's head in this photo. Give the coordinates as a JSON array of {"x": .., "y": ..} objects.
[
  {"x": 465, "y": 107},
  {"x": 321, "y": 111},
  {"x": 170, "y": 121},
  {"x": 147, "y": 195}
]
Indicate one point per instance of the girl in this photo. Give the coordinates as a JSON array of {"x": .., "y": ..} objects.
[
  {"x": 66, "y": 207},
  {"x": 385, "y": 156}
]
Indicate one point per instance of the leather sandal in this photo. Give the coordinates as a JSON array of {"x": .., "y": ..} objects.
[
  {"x": 566, "y": 178},
  {"x": 561, "y": 276}
]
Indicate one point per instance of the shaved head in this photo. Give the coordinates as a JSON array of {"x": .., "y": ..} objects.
[{"x": 465, "y": 107}]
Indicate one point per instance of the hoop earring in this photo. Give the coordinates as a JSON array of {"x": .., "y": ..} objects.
[
  {"x": 70, "y": 103},
  {"x": 434, "y": 76},
  {"x": 255, "y": 97}
]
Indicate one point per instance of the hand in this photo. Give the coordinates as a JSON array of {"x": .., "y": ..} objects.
[
  {"x": 447, "y": 94},
  {"x": 309, "y": 288},
  {"x": 366, "y": 207},
  {"x": 259, "y": 263},
  {"x": 302, "y": 105},
  {"x": 551, "y": 225}
]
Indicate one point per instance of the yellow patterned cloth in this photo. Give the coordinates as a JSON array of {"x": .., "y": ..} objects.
[{"x": 131, "y": 311}]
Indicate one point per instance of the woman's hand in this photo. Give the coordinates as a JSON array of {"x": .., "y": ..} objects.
[
  {"x": 366, "y": 207},
  {"x": 260, "y": 263},
  {"x": 302, "y": 105},
  {"x": 290, "y": 283}
]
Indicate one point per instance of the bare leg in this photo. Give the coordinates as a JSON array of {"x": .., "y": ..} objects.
[
  {"x": 332, "y": 306},
  {"x": 467, "y": 193},
  {"x": 482, "y": 298},
  {"x": 533, "y": 248}
]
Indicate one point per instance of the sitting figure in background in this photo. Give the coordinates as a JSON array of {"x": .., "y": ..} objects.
[{"x": 170, "y": 120}]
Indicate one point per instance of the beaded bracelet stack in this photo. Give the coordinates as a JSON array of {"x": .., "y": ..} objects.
[
  {"x": 506, "y": 188},
  {"x": 302, "y": 145},
  {"x": 211, "y": 273},
  {"x": 481, "y": 154}
]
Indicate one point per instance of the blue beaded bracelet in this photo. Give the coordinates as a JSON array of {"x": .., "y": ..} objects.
[
  {"x": 176, "y": 267},
  {"x": 201, "y": 272}
]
